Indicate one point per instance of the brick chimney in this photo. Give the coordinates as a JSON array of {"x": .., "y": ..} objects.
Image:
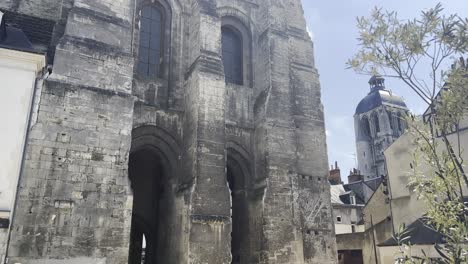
[
  {"x": 355, "y": 176},
  {"x": 335, "y": 175}
]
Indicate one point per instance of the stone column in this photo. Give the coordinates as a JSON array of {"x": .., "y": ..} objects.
[
  {"x": 291, "y": 147},
  {"x": 74, "y": 201},
  {"x": 210, "y": 222}
]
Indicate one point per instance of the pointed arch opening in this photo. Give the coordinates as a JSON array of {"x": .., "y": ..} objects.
[
  {"x": 365, "y": 127},
  {"x": 400, "y": 122},
  {"x": 156, "y": 231},
  {"x": 390, "y": 120},
  {"x": 238, "y": 178},
  {"x": 376, "y": 121},
  {"x": 150, "y": 186}
]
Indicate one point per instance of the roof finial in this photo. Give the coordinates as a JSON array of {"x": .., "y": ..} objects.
[{"x": 377, "y": 82}]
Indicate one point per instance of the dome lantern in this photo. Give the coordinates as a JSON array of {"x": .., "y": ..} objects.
[{"x": 377, "y": 82}]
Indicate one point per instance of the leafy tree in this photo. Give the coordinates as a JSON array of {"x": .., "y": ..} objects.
[{"x": 419, "y": 52}]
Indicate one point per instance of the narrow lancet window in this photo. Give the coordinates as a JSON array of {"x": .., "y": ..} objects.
[
  {"x": 232, "y": 56},
  {"x": 150, "y": 48},
  {"x": 377, "y": 124}
]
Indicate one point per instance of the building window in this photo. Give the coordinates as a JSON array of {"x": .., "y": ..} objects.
[
  {"x": 390, "y": 120},
  {"x": 400, "y": 122},
  {"x": 353, "y": 229},
  {"x": 151, "y": 42},
  {"x": 377, "y": 124},
  {"x": 232, "y": 56},
  {"x": 352, "y": 200},
  {"x": 338, "y": 219},
  {"x": 365, "y": 127}
]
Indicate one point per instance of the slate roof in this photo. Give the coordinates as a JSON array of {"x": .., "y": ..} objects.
[
  {"x": 419, "y": 234},
  {"x": 380, "y": 97},
  {"x": 336, "y": 191},
  {"x": 38, "y": 31},
  {"x": 14, "y": 38},
  {"x": 374, "y": 183},
  {"x": 341, "y": 196}
]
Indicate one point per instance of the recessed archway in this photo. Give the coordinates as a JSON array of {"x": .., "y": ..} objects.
[
  {"x": 156, "y": 229},
  {"x": 150, "y": 185},
  {"x": 239, "y": 214},
  {"x": 238, "y": 179}
]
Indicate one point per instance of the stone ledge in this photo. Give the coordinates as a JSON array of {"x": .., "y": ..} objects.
[{"x": 207, "y": 219}]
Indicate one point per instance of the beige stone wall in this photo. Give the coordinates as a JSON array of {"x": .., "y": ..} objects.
[
  {"x": 76, "y": 198},
  {"x": 406, "y": 207},
  {"x": 350, "y": 241},
  {"x": 377, "y": 208},
  {"x": 373, "y": 237}
]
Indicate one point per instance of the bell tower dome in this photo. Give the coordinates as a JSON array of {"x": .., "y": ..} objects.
[{"x": 378, "y": 122}]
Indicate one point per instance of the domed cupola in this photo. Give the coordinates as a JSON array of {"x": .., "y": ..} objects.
[{"x": 378, "y": 96}]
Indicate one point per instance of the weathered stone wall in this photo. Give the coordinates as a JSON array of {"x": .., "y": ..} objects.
[
  {"x": 47, "y": 9},
  {"x": 3, "y": 242},
  {"x": 353, "y": 241},
  {"x": 290, "y": 120},
  {"x": 73, "y": 191},
  {"x": 75, "y": 200}
]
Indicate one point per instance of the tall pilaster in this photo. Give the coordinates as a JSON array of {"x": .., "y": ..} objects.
[
  {"x": 289, "y": 116},
  {"x": 210, "y": 221}
]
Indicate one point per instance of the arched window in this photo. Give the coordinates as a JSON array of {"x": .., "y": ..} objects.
[
  {"x": 365, "y": 127},
  {"x": 390, "y": 119},
  {"x": 232, "y": 56},
  {"x": 151, "y": 41},
  {"x": 401, "y": 122},
  {"x": 376, "y": 124}
]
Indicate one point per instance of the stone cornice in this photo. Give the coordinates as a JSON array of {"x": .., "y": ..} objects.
[{"x": 22, "y": 60}]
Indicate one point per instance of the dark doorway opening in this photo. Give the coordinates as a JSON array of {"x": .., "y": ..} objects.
[
  {"x": 239, "y": 214},
  {"x": 149, "y": 183}
]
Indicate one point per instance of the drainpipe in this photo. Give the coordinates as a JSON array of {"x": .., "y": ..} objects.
[{"x": 373, "y": 240}]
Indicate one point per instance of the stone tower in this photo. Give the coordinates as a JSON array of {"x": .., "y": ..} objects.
[
  {"x": 193, "y": 128},
  {"x": 378, "y": 121}
]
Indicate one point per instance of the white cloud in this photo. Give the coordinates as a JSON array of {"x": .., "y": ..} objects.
[{"x": 311, "y": 34}]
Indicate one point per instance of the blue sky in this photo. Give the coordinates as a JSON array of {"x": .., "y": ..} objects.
[{"x": 332, "y": 24}]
